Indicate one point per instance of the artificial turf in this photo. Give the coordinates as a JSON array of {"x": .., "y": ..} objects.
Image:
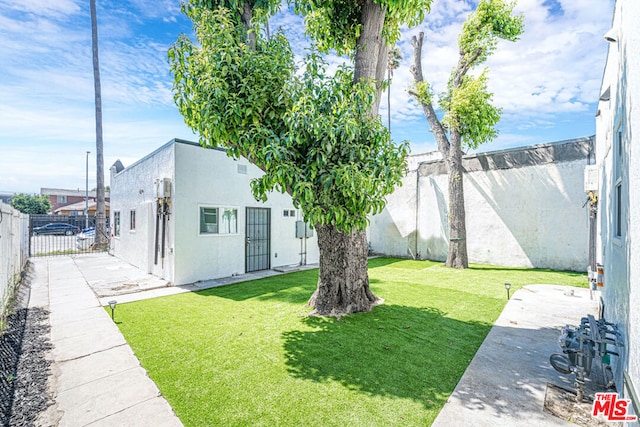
[{"x": 248, "y": 355}]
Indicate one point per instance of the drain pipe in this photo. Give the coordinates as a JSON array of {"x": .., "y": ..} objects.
[{"x": 417, "y": 224}]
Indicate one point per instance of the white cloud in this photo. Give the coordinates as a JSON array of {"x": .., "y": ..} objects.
[
  {"x": 58, "y": 8},
  {"x": 550, "y": 78},
  {"x": 555, "y": 68}
]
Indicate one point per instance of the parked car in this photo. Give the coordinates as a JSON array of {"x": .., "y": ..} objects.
[
  {"x": 60, "y": 228},
  {"x": 85, "y": 239}
]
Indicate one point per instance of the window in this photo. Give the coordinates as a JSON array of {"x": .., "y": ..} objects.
[
  {"x": 61, "y": 199},
  {"x": 289, "y": 213},
  {"x": 618, "y": 208},
  {"x": 132, "y": 220},
  {"x": 218, "y": 220},
  {"x": 618, "y": 194},
  {"x": 116, "y": 223}
]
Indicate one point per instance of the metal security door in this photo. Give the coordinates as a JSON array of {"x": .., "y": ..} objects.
[{"x": 258, "y": 239}]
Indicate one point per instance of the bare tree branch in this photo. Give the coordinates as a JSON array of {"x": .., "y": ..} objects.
[{"x": 416, "y": 69}]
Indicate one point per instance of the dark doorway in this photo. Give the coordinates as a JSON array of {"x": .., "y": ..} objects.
[{"x": 258, "y": 239}]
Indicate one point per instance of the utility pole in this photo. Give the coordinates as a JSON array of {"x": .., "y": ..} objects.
[{"x": 86, "y": 194}]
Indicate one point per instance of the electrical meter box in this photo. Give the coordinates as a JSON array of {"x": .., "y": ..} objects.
[
  {"x": 303, "y": 230},
  {"x": 164, "y": 188},
  {"x": 591, "y": 178}
]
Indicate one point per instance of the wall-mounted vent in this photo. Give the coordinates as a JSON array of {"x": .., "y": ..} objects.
[{"x": 242, "y": 169}]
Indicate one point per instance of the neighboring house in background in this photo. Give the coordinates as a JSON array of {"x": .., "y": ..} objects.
[
  {"x": 6, "y": 197},
  {"x": 186, "y": 213},
  {"x": 60, "y": 197},
  {"x": 525, "y": 207},
  {"x": 618, "y": 159},
  {"x": 78, "y": 208}
]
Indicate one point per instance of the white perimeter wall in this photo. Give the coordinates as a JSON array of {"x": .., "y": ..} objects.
[
  {"x": 529, "y": 216},
  {"x": 621, "y": 255}
]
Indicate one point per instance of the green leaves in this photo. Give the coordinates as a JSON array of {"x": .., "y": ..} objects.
[
  {"x": 229, "y": 94},
  {"x": 471, "y": 113},
  {"x": 337, "y": 162},
  {"x": 31, "y": 204},
  {"x": 311, "y": 134},
  {"x": 467, "y": 102},
  {"x": 335, "y": 24},
  {"x": 423, "y": 92},
  {"x": 491, "y": 21}
]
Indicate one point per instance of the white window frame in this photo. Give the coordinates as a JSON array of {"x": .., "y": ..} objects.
[
  {"x": 226, "y": 221},
  {"x": 618, "y": 187},
  {"x": 132, "y": 220},
  {"x": 61, "y": 199},
  {"x": 116, "y": 223}
]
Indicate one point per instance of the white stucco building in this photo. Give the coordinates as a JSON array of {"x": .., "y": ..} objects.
[
  {"x": 524, "y": 207},
  {"x": 186, "y": 213},
  {"x": 618, "y": 156}
]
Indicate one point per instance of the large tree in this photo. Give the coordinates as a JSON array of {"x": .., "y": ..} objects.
[
  {"x": 31, "y": 204},
  {"x": 315, "y": 136},
  {"x": 101, "y": 231},
  {"x": 469, "y": 118}
]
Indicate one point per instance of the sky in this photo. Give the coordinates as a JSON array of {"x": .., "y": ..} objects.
[{"x": 547, "y": 83}]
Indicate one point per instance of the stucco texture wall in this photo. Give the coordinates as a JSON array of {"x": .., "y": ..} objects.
[
  {"x": 209, "y": 178},
  {"x": 617, "y": 127},
  {"x": 134, "y": 189},
  {"x": 521, "y": 210}
]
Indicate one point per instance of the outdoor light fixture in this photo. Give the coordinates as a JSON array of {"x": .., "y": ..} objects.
[
  {"x": 112, "y": 304},
  {"x": 507, "y": 286}
]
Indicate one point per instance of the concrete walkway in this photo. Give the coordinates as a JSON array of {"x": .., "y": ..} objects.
[
  {"x": 96, "y": 379},
  {"x": 506, "y": 382}
]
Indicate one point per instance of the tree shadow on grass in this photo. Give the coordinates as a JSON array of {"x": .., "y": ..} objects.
[{"x": 395, "y": 351}]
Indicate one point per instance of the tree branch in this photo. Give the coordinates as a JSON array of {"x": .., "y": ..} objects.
[
  {"x": 465, "y": 65},
  {"x": 416, "y": 69}
]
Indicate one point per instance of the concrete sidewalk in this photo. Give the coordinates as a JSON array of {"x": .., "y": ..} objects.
[
  {"x": 506, "y": 382},
  {"x": 96, "y": 379}
]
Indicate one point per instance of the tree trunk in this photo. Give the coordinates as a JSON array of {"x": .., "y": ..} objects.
[
  {"x": 343, "y": 283},
  {"x": 101, "y": 232},
  {"x": 369, "y": 44},
  {"x": 451, "y": 150},
  {"x": 246, "y": 16},
  {"x": 457, "y": 255}
]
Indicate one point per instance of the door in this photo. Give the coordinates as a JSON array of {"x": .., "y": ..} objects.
[{"x": 258, "y": 239}]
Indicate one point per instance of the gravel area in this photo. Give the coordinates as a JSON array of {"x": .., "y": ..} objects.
[{"x": 24, "y": 367}]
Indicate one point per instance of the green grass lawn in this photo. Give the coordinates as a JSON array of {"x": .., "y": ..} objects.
[{"x": 247, "y": 354}]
